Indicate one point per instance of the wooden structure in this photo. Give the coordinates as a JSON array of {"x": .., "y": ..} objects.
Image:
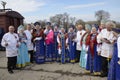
[{"x": 9, "y": 17}]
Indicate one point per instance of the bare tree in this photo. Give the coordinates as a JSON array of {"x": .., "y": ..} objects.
[
  {"x": 80, "y": 21},
  {"x": 72, "y": 20},
  {"x": 56, "y": 19},
  {"x": 101, "y": 14},
  {"x": 60, "y": 19}
]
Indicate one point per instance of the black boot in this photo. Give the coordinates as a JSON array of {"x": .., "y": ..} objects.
[
  {"x": 10, "y": 71},
  {"x": 103, "y": 74}
]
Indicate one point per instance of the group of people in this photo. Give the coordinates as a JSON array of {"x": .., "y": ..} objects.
[{"x": 95, "y": 47}]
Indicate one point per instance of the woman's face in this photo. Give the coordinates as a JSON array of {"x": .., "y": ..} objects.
[
  {"x": 94, "y": 30},
  {"x": 102, "y": 26},
  {"x": 55, "y": 29},
  {"x": 87, "y": 30},
  {"x": 62, "y": 30},
  {"x": 109, "y": 27},
  {"x": 71, "y": 30},
  {"x": 48, "y": 27},
  {"x": 38, "y": 27}
]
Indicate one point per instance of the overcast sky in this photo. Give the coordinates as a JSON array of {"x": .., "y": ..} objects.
[{"x": 34, "y": 10}]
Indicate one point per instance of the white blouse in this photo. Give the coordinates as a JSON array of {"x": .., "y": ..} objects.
[{"x": 118, "y": 45}]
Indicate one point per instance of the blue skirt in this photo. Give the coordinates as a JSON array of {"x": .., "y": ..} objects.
[
  {"x": 49, "y": 52},
  {"x": 63, "y": 53},
  {"x": 117, "y": 71},
  {"x": 114, "y": 67},
  {"x": 72, "y": 49},
  {"x": 40, "y": 52},
  {"x": 83, "y": 58},
  {"x": 97, "y": 65},
  {"x": 93, "y": 62},
  {"x": 67, "y": 55},
  {"x": 89, "y": 65},
  {"x": 55, "y": 52},
  {"x": 23, "y": 57}
]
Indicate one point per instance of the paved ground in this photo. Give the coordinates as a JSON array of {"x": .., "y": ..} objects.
[{"x": 48, "y": 71}]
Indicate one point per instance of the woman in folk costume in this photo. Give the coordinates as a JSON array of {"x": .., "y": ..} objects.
[
  {"x": 85, "y": 43},
  {"x": 114, "y": 67},
  {"x": 38, "y": 39},
  {"x": 71, "y": 44},
  {"x": 49, "y": 41},
  {"x": 61, "y": 39},
  {"x": 55, "y": 54},
  {"x": 23, "y": 57},
  {"x": 106, "y": 38},
  {"x": 93, "y": 59}
]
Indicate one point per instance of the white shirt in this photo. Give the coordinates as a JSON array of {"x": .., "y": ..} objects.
[
  {"x": 106, "y": 49},
  {"x": 118, "y": 45},
  {"x": 12, "y": 40},
  {"x": 29, "y": 38},
  {"x": 78, "y": 39}
]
